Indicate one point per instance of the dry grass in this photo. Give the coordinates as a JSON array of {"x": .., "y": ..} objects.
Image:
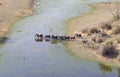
[
  {"x": 116, "y": 30},
  {"x": 99, "y": 38}
]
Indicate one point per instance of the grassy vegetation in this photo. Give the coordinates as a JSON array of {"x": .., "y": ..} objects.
[
  {"x": 102, "y": 41},
  {"x": 106, "y": 26}
]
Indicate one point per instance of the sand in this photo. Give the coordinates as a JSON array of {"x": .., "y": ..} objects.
[
  {"x": 100, "y": 13},
  {"x": 12, "y": 10}
]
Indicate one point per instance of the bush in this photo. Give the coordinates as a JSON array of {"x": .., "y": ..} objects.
[
  {"x": 97, "y": 39},
  {"x": 109, "y": 51},
  {"x": 106, "y": 26},
  {"x": 118, "y": 40},
  {"x": 85, "y": 30},
  {"x": 100, "y": 40},
  {"x": 108, "y": 42},
  {"x": 94, "y": 30},
  {"x": 116, "y": 30},
  {"x": 90, "y": 45}
]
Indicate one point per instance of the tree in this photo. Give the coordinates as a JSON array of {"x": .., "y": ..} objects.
[{"x": 115, "y": 13}]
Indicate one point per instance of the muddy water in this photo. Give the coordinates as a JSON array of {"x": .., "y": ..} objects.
[{"x": 21, "y": 56}]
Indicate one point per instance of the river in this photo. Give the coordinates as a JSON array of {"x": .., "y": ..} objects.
[{"x": 21, "y": 56}]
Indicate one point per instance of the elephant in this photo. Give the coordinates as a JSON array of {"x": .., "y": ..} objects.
[
  {"x": 38, "y": 37},
  {"x": 67, "y": 38},
  {"x": 61, "y": 38},
  {"x": 78, "y": 35},
  {"x": 47, "y": 38},
  {"x": 72, "y": 38},
  {"x": 53, "y": 37}
]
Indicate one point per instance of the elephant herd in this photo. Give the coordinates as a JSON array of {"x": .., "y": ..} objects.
[{"x": 40, "y": 37}]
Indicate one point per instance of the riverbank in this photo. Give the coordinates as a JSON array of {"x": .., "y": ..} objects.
[
  {"x": 11, "y": 11},
  {"x": 100, "y": 13}
]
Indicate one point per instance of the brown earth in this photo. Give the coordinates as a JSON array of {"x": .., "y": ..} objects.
[
  {"x": 100, "y": 13},
  {"x": 12, "y": 10}
]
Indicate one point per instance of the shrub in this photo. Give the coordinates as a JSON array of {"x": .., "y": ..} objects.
[
  {"x": 118, "y": 40},
  {"x": 108, "y": 42},
  {"x": 90, "y": 45},
  {"x": 94, "y": 30},
  {"x": 96, "y": 46},
  {"x": 116, "y": 30},
  {"x": 109, "y": 51},
  {"x": 106, "y": 26},
  {"x": 100, "y": 40},
  {"x": 97, "y": 39},
  {"x": 85, "y": 30}
]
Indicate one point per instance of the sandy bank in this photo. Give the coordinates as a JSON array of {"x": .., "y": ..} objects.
[
  {"x": 12, "y": 10},
  {"x": 99, "y": 14}
]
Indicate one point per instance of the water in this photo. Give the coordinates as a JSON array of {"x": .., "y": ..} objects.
[{"x": 21, "y": 56}]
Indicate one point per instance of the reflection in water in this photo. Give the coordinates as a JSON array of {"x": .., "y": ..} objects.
[
  {"x": 1, "y": 62},
  {"x": 3, "y": 40},
  {"x": 105, "y": 68},
  {"x": 54, "y": 42},
  {"x": 118, "y": 72}
]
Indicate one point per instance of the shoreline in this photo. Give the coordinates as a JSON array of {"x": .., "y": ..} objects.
[
  {"x": 99, "y": 14},
  {"x": 11, "y": 11}
]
